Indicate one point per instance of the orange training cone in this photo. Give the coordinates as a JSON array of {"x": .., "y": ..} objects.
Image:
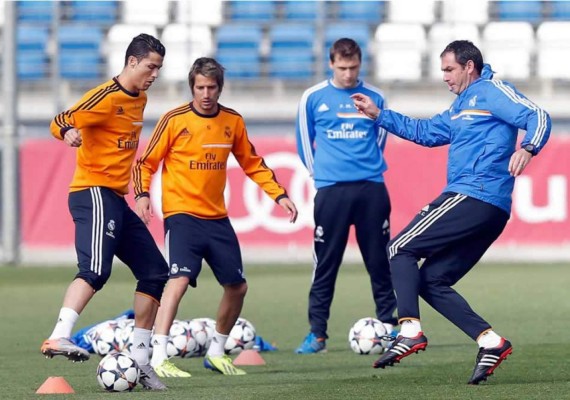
[
  {"x": 55, "y": 385},
  {"x": 249, "y": 357}
]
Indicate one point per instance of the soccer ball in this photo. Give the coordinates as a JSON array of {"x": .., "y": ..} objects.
[
  {"x": 202, "y": 332},
  {"x": 127, "y": 331},
  {"x": 367, "y": 336},
  {"x": 118, "y": 372},
  {"x": 180, "y": 342},
  {"x": 242, "y": 337},
  {"x": 210, "y": 325},
  {"x": 106, "y": 338}
]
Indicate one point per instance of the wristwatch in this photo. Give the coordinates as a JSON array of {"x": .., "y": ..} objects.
[{"x": 531, "y": 148}]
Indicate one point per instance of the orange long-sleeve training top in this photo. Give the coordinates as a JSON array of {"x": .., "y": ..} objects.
[
  {"x": 194, "y": 149},
  {"x": 110, "y": 120}
]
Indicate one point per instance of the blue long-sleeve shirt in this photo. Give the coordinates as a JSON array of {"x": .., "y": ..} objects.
[
  {"x": 334, "y": 141},
  {"x": 481, "y": 128}
]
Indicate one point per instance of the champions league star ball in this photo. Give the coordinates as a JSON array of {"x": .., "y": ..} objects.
[
  {"x": 118, "y": 372},
  {"x": 106, "y": 338},
  {"x": 209, "y": 325},
  {"x": 201, "y": 332},
  {"x": 367, "y": 336},
  {"x": 127, "y": 333},
  {"x": 180, "y": 343},
  {"x": 242, "y": 337}
]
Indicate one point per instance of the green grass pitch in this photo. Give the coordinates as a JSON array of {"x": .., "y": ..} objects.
[{"x": 528, "y": 303}]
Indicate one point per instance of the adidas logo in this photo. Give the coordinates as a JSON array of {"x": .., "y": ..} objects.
[
  {"x": 120, "y": 110},
  {"x": 323, "y": 107},
  {"x": 141, "y": 346},
  {"x": 184, "y": 132}
]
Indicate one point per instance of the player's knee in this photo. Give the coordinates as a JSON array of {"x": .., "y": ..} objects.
[
  {"x": 94, "y": 280},
  {"x": 237, "y": 290},
  {"x": 153, "y": 284},
  {"x": 428, "y": 280},
  {"x": 151, "y": 288}
]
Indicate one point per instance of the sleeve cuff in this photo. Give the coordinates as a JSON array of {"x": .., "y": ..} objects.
[
  {"x": 143, "y": 194},
  {"x": 62, "y": 131}
]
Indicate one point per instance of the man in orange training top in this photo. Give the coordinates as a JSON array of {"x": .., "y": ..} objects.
[
  {"x": 105, "y": 126},
  {"x": 194, "y": 142}
]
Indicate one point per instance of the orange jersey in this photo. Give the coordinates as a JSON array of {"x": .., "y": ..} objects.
[
  {"x": 194, "y": 149},
  {"x": 109, "y": 119}
]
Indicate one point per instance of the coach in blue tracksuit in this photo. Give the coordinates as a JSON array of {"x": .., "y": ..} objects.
[
  {"x": 454, "y": 231},
  {"x": 342, "y": 149}
]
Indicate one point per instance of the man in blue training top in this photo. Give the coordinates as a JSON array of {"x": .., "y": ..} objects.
[
  {"x": 454, "y": 230},
  {"x": 342, "y": 149}
]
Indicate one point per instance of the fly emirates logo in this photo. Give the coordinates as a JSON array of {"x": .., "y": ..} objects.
[
  {"x": 346, "y": 131},
  {"x": 210, "y": 164}
]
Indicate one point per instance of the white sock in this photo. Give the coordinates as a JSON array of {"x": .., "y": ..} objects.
[
  {"x": 140, "y": 347},
  {"x": 488, "y": 340},
  {"x": 216, "y": 348},
  {"x": 410, "y": 328},
  {"x": 158, "y": 350},
  {"x": 65, "y": 323}
]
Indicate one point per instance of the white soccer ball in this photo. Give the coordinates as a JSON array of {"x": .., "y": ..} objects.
[
  {"x": 127, "y": 332},
  {"x": 242, "y": 337},
  {"x": 201, "y": 333},
  {"x": 210, "y": 325},
  {"x": 367, "y": 336},
  {"x": 106, "y": 338},
  {"x": 118, "y": 372},
  {"x": 180, "y": 342}
]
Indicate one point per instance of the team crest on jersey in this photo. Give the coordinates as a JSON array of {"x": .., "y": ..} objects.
[
  {"x": 319, "y": 233},
  {"x": 173, "y": 269},
  {"x": 111, "y": 228},
  {"x": 386, "y": 227},
  {"x": 228, "y": 132},
  {"x": 473, "y": 101}
]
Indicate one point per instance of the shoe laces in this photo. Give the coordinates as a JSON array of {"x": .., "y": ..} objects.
[
  {"x": 227, "y": 359},
  {"x": 147, "y": 372},
  {"x": 389, "y": 339},
  {"x": 312, "y": 338},
  {"x": 167, "y": 365}
]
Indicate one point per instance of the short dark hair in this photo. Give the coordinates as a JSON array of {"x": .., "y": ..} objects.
[
  {"x": 208, "y": 67},
  {"x": 345, "y": 48},
  {"x": 142, "y": 45},
  {"x": 464, "y": 51}
]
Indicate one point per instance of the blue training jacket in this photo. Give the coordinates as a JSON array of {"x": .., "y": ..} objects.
[
  {"x": 336, "y": 142},
  {"x": 481, "y": 127}
]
